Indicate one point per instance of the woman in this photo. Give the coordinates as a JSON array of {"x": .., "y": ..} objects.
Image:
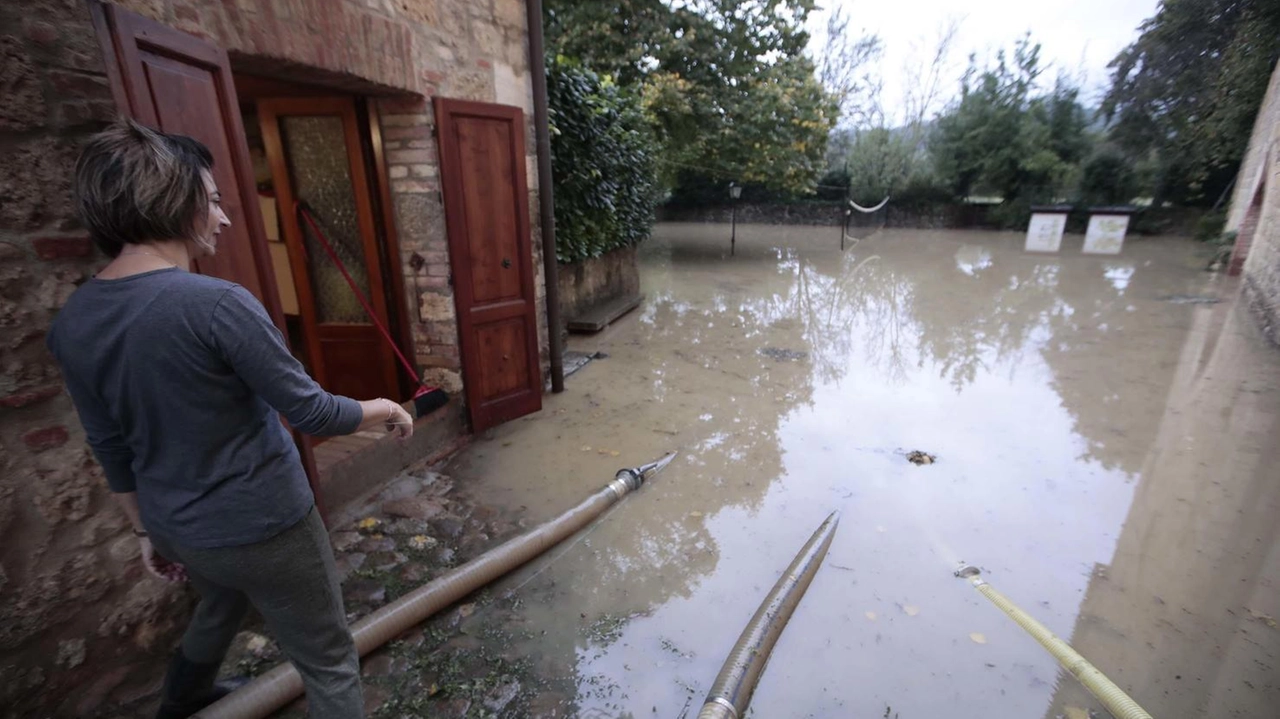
[{"x": 180, "y": 380}]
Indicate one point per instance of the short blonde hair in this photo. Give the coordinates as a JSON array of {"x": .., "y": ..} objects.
[{"x": 138, "y": 185}]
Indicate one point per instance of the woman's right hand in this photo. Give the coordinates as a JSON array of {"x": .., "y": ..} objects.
[{"x": 158, "y": 565}]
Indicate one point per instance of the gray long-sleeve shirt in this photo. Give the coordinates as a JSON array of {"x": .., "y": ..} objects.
[{"x": 178, "y": 379}]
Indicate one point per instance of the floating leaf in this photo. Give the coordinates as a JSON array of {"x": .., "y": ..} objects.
[
  {"x": 466, "y": 610},
  {"x": 978, "y": 638},
  {"x": 871, "y": 616},
  {"x": 911, "y": 610},
  {"x": 1266, "y": 619}
]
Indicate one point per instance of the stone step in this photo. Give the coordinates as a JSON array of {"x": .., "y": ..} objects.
[{"x": 603, "y": 315}]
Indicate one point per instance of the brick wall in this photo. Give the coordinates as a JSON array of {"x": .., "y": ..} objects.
[
  {"x": 1255, "y": 216},
  {"x": 81, "y": 628}
]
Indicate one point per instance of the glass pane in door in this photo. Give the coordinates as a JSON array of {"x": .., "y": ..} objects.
[{"x": 316, "y": 150}]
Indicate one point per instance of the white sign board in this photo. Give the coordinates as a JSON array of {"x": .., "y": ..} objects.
[
  {"x": 1044, "y": 234},
  {"x": 1106, "y": 234}
]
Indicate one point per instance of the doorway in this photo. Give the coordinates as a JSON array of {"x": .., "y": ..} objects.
[{"x": 315, "y": 180}]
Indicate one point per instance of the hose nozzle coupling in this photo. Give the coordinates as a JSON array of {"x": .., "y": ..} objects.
[
  {"x": 970, "y": 573},
  {"x": 630, "y": 479}
]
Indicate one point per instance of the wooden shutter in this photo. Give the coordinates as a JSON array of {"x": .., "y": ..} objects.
[
  {"x": 178, "y": 83},
  {"x": 486, "y": 200}
]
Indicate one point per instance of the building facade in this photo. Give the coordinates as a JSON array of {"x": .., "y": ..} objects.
[
  {"x": 1255, "y": 215},
  {"x": 392, "y": 135}
]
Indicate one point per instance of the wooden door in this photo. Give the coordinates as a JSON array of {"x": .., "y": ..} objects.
[
  {"x": 486, "y": 202},
  {"x": 313, "y": 147},
  {"x": 178, "y": 83}
]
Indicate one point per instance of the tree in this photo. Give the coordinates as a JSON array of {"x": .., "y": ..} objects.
[
  {"x": 842, "y": 71},
  {"x": 726, "y": 84},
  {"x": 1185, "y": 93},
  {"x": 1004, "y": 138}
]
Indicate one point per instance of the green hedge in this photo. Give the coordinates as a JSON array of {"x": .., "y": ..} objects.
[{"x": 602, "y": 152}]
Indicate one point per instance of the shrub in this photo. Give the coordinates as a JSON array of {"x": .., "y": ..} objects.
[
  {"x": 1107, "y": 178},
  {"x": 602, "y": 160}
]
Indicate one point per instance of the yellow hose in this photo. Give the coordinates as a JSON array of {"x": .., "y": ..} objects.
[
  {"x": 1116, "y": 701},
  {"x": 283, "y": 684}
]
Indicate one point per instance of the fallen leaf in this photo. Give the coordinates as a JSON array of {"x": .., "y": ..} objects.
[
  {"x": 978, "y": 638},
  {"x": 1266, "y": 619},
  {"x": 614, "y": 453},
  {"x": 911, "y": 610},
  {"x": 1075, "y": 713},
  {"x": 871, "y": 616},
  {"x": 466, "y": 610},
  {"x": 433, "y": 690},
  {"x": 368, "y": 523}
]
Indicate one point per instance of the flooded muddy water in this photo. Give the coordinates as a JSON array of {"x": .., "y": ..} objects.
[{"x": 1108, "y": 455}]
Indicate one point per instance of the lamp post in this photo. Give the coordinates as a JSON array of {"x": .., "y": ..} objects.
[{"x": 734, "y": 192}]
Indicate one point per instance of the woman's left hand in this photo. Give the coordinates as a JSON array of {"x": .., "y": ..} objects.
[{"x": 159, "y": 566}]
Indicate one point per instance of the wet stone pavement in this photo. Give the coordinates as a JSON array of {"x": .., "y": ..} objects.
[{"x": 1103, "y": 447}]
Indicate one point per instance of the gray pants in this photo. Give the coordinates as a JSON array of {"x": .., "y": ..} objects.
[{"x": 291, "y": 579}]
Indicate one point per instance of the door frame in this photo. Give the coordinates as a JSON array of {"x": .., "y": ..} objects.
[{"x": 484, "y": 415}]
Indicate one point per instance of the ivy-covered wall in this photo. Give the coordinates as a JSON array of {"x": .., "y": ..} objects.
[{"x": 602, "y": 163}]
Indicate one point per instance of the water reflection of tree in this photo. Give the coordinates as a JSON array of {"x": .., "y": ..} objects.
[{"x": 708, "y": 390}]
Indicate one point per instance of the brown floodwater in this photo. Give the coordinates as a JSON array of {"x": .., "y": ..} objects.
[{"x": 1107, "y": 443}]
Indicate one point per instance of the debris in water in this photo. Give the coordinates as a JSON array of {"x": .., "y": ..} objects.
[
  {"x": 466, "y": 610},
  {"x": 781, "y": 354},
  {"x": 918, "y": 458},
  {"x": 911, "y": 610},
  {"x": 586, "y": 448},
  {"x": 368, "y": 523},
  {"x": 1266, "y": 619},
  {"x": 978, "y": 638},
  {"x": 1191, "y": 299},
  {"x": 695, "y": 515}
]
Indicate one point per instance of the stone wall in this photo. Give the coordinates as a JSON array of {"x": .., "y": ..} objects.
[
  {"x": 1255, "y": 216},
  {"x": 596, "y": 280},
  {"x": 82, "y": 628},
  {"x": 75, "y": 609}
]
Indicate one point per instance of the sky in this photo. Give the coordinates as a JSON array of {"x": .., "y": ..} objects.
[{"x": 1078, "y": 37}]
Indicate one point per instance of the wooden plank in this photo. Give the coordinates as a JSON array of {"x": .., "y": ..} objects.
[{"x": 601, "y": 316}]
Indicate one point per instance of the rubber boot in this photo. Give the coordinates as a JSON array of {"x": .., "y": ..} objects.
[{"x": 190, "y": 687}]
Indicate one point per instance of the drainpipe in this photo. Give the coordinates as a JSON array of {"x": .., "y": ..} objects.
[{"x": 546, "y": 200}]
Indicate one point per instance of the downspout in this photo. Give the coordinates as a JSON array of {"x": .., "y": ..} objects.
[{"x": 546, "y": 199}]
